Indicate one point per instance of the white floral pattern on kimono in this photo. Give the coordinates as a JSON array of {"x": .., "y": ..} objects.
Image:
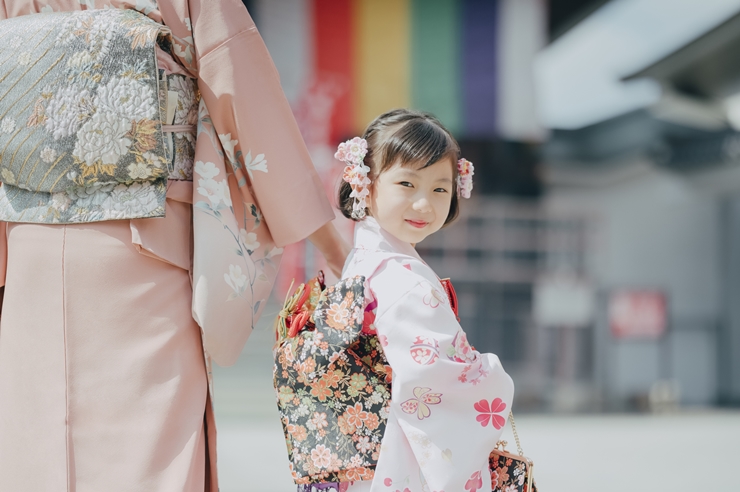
[{"x": 449, "y": 402}]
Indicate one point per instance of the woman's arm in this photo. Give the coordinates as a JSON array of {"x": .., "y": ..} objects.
[{"x": 332, "y": 245}]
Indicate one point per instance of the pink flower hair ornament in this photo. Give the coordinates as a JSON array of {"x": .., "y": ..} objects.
[
  {"x": 352, "y": 153},
  {"x": 465, "y": 171}
]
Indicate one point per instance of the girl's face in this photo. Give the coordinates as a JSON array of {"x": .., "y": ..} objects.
[{"x": 412, "y": 203}]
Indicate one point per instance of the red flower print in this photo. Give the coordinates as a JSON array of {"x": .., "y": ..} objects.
[
  {"x": 488, "y": 413},
  {"x": 320, "y": 390},
  {"x": 344, "y": 426},
  {"x": 331, "y": 378},
  {"x": 355, "y": 415},
  {"x": 474, "y": 483},
  {"x": 372, "y": 422},
  {"x": 338, "y": 315},
  {"x": 368, "y": 323},
  {"x": 425, "y": 350},
  {"x": 387, "y": 482}
]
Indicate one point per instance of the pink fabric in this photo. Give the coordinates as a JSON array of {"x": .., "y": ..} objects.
[
  {"x": 169, "y": 238},
  {"x": 168, "y": 64},
  {"x": 269, "y": 195},
  {"x": 3, "y": 253},
  {"x": 102, "y": 378}
]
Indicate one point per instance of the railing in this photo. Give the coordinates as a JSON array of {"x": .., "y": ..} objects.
[{"x": 495, "y": 253}]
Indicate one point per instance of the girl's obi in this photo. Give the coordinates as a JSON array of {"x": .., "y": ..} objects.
[
  {"x": 90, "y": 128},
  {"x": 332, "y": 382}
]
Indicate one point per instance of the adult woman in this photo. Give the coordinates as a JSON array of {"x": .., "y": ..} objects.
[{"x": 103, "y": 373}]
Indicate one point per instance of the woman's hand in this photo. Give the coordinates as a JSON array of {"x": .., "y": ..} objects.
[{"x": 331, "y": 244}]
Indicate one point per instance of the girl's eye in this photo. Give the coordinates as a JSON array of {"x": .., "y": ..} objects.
[
  {"x": 440, "y": 190},
  {"x": 406, "y": 184}
]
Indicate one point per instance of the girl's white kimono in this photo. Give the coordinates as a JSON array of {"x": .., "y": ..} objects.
[{"x": 449, "y": 402}]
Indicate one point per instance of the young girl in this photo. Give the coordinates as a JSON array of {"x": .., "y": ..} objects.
[{"x": 448, "y": 402}]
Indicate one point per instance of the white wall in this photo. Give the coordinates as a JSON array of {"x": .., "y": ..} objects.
[{"x": 657, "y": 231}]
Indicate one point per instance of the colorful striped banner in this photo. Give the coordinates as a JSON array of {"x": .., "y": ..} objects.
[{"x": 344, "y": 62}]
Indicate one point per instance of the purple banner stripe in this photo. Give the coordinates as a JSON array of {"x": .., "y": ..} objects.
[{"x": 479, "y": 30}]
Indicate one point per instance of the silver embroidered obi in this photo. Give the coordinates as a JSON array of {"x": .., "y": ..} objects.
[{"x": 90, "y": 128}]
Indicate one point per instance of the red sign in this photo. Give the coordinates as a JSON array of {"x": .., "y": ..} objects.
[{"x": 638, "y": 314}]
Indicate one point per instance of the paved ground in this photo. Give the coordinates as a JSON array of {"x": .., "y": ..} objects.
[{"x": 689, "y": 451}]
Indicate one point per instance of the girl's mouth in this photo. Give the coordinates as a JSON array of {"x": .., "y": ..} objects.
[{"x": 417, "y": 223}]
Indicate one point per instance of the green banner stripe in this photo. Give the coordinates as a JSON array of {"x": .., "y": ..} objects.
[{"x": 435, "y": 65}]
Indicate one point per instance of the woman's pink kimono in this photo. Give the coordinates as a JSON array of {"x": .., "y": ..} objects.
[{"x": 108, "y": 328}]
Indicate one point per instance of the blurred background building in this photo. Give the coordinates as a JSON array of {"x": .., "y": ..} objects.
[{"x": 600, "y": 257}]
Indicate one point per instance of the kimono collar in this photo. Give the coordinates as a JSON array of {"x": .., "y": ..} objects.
[{"x": 370, "y": 236}]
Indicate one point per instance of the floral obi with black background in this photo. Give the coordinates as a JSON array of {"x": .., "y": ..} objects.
[
  {"x": 90, "y": 128},
  {"x": 332, "y": 382}
]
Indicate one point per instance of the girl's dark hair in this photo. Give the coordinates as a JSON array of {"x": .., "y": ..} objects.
[{"x": 410, "y": 138}]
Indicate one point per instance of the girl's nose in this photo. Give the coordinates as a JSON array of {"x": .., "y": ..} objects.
[{"x": 422, "y": 205}]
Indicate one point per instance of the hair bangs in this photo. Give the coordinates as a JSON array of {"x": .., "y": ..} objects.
[{"x": 418, "y": 143}]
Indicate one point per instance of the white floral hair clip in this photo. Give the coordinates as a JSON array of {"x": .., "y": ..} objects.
[
  {"x": 465, "y": 173},
  {"x": 352, "y": 153}
]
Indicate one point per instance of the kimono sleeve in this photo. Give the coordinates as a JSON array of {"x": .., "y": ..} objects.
[
  {"x": 259, "y": 135},
  {"x": 450, "y": 401}
]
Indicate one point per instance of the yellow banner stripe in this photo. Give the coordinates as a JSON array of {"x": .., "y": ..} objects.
[{"x": 382, "y": 57}]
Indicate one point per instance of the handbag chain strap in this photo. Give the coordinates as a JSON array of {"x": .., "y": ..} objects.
[{"x": 516, "y": 435}]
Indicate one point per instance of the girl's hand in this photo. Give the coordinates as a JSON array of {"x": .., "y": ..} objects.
[{"x": 331, "y": 244}]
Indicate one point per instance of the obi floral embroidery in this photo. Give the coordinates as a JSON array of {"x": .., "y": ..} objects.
[
  {"x": 332, "y": 390},
  {"x": 81, "y": 122}
]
